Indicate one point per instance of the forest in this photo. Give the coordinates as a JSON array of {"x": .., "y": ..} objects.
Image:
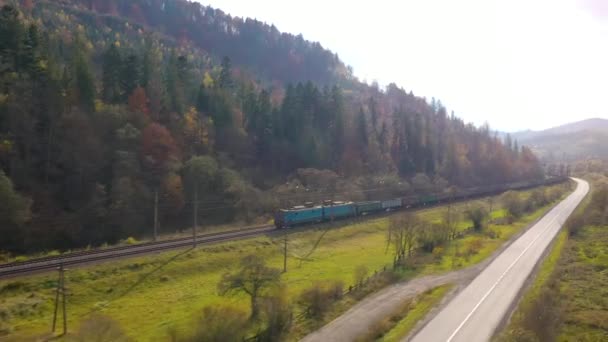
[{"x": 109, "y": 109}]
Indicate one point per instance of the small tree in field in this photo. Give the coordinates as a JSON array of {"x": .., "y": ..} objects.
[
  {"x": 477, "y": 216},
  {"x": 402, "y": 233},
  {"x": 513, "y": 204},
  {"x": 253, "y": 279}
]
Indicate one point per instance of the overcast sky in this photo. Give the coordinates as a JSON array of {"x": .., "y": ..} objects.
[{"x": 517, "y": 64}]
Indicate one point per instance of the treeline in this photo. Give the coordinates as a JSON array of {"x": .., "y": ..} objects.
[{"x": 102, "y": 122}]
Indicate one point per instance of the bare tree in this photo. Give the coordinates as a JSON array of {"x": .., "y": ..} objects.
[
  {"x": 402, "y": 233},
  {"x": 253, "y": 279},
  {"x": 450, "y": 222}
]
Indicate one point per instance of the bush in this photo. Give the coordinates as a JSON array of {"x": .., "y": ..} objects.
[
  {"x": 277, "y": 313},
  {"x": 474, "y": 246},
  {"x": 217, "y": 324},
  {"x": 513, "y": 204},
  {"x": 477, "y": 216},
  {"x": 575, "y": 223},
  {"x": 130, "y": 241},
  {"x": 317, "y": 299}
]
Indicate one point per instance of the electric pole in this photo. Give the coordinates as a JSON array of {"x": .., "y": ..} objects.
[
  {"x": 156, "y": 214},
  {"x": 61, "y": 291},
  {"x": 195, "y": 216},
  {"x": 285, "y": 253}
]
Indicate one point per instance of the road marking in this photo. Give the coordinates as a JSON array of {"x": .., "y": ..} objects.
[{"x": 503, "y": 275}]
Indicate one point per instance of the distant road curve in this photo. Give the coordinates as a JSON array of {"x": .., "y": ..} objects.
[
  {"x": 476, "y": 312},
  {"x": 48, "y": 263}
]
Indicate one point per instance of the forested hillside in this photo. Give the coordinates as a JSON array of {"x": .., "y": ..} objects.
[{"x": 110, "y": 107}]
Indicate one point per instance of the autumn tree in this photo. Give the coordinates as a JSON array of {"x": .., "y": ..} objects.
[{"x": 138, "y": 101}]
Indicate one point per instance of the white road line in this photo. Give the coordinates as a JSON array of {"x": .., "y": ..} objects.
[{"x": 548, "y": 225}]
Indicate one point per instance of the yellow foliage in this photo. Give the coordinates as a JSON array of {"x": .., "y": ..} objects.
[
  {"x": 208, "y": 80},
  {"x": 194, "y": 129}
]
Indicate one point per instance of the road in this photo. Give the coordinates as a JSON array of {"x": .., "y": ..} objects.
[{"x": 476, "y": 312}]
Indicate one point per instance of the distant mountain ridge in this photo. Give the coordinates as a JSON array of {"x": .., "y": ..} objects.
[{"x": 574, "y": 141}]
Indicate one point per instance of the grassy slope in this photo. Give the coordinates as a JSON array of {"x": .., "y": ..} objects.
[
  {"x": 583, "y": 288},
  {"x": 147, "y": 295}
]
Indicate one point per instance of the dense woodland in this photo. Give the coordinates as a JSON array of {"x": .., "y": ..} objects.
[{"x": 110, "y": 107}]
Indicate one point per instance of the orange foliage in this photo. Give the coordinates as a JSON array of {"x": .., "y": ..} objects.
[
  {"x": 138, "y": 101},
  {"x": 158, "y": 145}
]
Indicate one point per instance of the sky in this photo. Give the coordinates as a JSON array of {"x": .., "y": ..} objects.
[{"x": 516, "y": 64}]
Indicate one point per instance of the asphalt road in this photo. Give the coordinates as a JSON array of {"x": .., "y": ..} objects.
[{"x": 476, "y": 312}]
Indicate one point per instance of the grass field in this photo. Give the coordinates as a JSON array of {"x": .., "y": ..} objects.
[{"x": 149, "y": 295}]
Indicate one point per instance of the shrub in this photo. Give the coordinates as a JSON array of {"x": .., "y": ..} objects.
[
  {"x": 477, "y": 216},
  {"x": 317, "y": 299},
  {"x": 474, "y": 246},
  {"x": 513, "y": 204},
  {"x": 217, "y": 324},
  {"x": 130, "y": 241},
  {"x": 277, "y": 313}
]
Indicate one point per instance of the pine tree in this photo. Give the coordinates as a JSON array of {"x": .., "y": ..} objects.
[
  {"x": 111, "y": 75},
  {"x": 225, "y": 79},
  {"x": 130, "y": 76}
]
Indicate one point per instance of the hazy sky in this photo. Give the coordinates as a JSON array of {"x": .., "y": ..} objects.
[{"x": 516, "y": 64}]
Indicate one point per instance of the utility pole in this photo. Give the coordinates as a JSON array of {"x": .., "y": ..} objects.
[
  {"x": 195, "y": 216},
  {"x": 285, "y": 253},
  {"x": 155, "y": 214},
  {"x": 61, "y": 291}
]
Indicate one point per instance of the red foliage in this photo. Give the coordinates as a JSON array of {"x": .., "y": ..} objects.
[
  {"x": 27, "y": 5},
  {"x": 138, "y": 101},
  {"x": 157, "y": 145}
]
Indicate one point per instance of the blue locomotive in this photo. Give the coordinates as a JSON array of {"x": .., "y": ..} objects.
[{"x": 285, "y": 218}]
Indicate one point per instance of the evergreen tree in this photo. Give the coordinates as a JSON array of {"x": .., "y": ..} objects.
[
  {"x": 130, "y": 76},
  {"x": 111, "y": 75},
  {"x": 225, "y": 78}
]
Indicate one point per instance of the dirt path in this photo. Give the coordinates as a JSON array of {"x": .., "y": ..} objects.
[{"x": 357, "y": 321}]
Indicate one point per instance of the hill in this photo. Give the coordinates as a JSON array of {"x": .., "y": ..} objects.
[
  {"x": 112, "y": 111},
  {"x": 580, "y": 140}
]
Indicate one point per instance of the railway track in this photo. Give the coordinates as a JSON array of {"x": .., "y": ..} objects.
[{"x": 13, "y": 269}]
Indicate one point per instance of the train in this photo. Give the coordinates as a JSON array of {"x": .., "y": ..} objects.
[{"x": 309, "y": 213}]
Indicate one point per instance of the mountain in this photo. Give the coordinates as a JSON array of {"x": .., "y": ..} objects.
[
  {"x": 114, "y": 110},
  {"x": 580, "y": 140}
]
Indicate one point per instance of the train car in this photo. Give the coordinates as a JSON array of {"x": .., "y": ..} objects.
[
  {"x": 364, "y": 208},
  {"x": 286, "y": 218},
  {"x": 428, "y": 199},
  {"x": 339, "y": 210},
  {"x": 392, "y": 204}
]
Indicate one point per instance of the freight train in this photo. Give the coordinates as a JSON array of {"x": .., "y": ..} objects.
[{"x": 329, "y": 211}]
